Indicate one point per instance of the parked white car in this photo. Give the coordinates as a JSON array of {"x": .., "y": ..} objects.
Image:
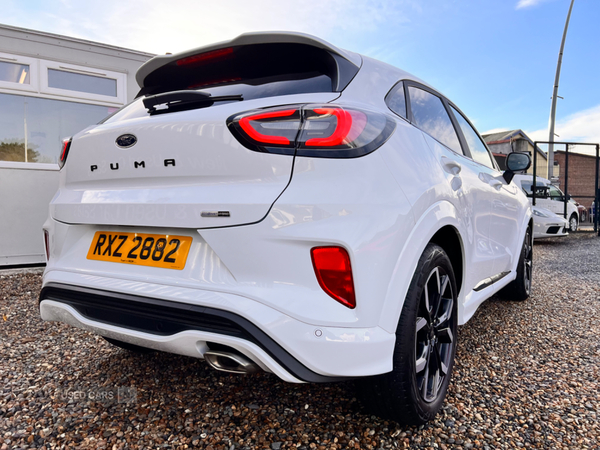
[
  {"x": 550, "y": 197},
  {"x": 276, "y": 203},
  {"x": 546, "y": 224}
]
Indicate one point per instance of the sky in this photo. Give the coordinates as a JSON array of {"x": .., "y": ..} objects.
[{"x": 496, "y": 59}]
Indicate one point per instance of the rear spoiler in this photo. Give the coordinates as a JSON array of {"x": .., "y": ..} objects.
[{"x": 277, "y": 37}]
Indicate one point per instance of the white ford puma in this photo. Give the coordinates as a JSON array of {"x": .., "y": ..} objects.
[{"x": 276, "y": 203}]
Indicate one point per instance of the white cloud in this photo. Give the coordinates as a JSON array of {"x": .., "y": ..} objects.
[
  {"x": 528, "y": 3},
  {"x": 583, "y": 126},
  {"x": 160, "y": 26}
]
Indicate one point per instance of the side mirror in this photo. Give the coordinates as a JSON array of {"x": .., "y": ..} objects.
[
  {"x": 542, "y": 192},
  {"x": 516, "y": 162}
]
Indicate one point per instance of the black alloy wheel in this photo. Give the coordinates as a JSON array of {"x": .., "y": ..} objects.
[
  {"x": 414, "y": 391},
  {"x": 434, "y": 340}
]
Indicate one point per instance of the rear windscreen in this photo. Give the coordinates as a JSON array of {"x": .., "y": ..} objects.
[
  {"x": 249, "y": 71},
  {"x": 252, "y": 71},
  {"x": 260, "y": 70}
]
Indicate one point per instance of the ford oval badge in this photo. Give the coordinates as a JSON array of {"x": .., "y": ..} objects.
[{"x": 126, "y": 140}]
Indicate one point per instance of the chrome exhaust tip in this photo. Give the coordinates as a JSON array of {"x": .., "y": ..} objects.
[{"x": 229, "y": 362}]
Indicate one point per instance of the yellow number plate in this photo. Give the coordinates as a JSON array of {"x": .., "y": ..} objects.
[{"x": 155, "y": 250}]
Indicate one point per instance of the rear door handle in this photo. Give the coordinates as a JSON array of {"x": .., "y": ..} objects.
[{"x": 451, "y": 166}]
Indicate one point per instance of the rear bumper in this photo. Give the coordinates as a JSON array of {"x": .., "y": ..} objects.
[{"x": 187, "y": 321}]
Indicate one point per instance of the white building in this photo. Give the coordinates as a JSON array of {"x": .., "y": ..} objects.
[{"x": 51, "y": 87}]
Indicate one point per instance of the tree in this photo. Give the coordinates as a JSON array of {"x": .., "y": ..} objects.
[{"x": 15, "y": 151}]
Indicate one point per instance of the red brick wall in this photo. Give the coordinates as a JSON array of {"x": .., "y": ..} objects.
[{"x": 582, "y": 175}]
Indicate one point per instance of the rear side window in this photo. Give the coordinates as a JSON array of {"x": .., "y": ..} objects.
[
  {"x": 429, "y": 114},
  {"x": 479, "y": 151},
  {"x": 396, "y": 100}
]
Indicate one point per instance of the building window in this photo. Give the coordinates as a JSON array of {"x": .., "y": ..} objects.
[
  {"x": 40, "y": 124},
  {"x": 14, "y": 73},
  {"x": 42, "y": 102},
  {"x": 91, "y": 84},
  {"x": 18, "y": 73},
  {"x": 82, "y": 83}
]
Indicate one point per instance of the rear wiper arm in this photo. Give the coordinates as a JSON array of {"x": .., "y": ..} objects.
[{"x": 178, "y": 100}]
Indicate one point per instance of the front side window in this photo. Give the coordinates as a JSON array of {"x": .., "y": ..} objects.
[
  {"x": 554, "y": 193},
  {"x": 14, "y": 73},
  {"x": 429, "y": 114},
  {"x": 478, "y": 150}
]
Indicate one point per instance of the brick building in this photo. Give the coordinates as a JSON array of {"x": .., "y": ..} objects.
[{"x": 582, "y": 176}]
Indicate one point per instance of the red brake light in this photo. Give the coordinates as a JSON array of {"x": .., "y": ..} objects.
[
  {"x": 334, "y": 273},
  {"x": 66, "y": 145},
  {"x": 222, "y": 53}
]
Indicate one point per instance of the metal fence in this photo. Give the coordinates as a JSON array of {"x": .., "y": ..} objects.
[{"x": 596, "y": 196}]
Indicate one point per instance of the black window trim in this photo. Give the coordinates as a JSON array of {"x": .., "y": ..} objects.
[{"x": 447, "y": 103}]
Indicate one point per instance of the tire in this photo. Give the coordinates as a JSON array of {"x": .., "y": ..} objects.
[
  {"x": 520, "y": 288},
  {"x": 573, "y": 225},
  {"x": 127, "y": 346},
  {"x": 414, "y": 391}
]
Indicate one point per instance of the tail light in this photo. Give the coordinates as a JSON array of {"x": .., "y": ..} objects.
[
  {"x": 66, "y": 145},
  {"x": 334, "y": 273},
  {"x": 279, "y": 127},
  {"x": 312, "y": 130}
]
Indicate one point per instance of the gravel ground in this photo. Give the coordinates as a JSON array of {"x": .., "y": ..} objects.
[{"x": 527, "y": 376}]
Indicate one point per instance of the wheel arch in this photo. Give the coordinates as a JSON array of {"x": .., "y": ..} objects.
[
  {"x": 439, "y": 224},
  {"x": 449, "y": 239},
  {"x": 528, "y": 219}
]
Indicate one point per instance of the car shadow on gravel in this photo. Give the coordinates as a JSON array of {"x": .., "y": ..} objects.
[
  {"x": 170, "y": 377},
  {"x": 526, "y": 375},
  {"x": 187, "y": 390}
]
